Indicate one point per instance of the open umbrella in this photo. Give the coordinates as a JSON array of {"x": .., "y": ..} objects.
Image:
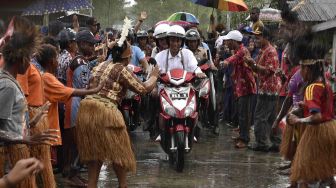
[
  {"x": 184, "y": 24},
  {"x": 226, "y": 5},
  {"x": 269, "y": 15},
  {"x": 41, "y": 7},
  {"x": 183, "y": 16}
]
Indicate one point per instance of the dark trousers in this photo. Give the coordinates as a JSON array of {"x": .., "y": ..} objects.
[
  {"x": 244, "y": 117},
  {"x": 253, "y": 107},
  {"x": 265, "y": 114},
  {"x": 228, "y": 99}
]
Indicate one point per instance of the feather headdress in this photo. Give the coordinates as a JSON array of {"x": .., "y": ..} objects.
[
  {"x": 124, "y": 32},
  {"x": 8, "y": 34}
]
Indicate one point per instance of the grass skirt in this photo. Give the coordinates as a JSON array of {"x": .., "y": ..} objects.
[
  {"x": 42, "y": 152},
  {"x": 102, "y": 134},
  {"x": 315, "y": 158},
  {"x": 17, "y": 152},
  {"x": 290, "y": 139}
]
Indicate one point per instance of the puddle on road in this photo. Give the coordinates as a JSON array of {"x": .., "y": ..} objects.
[{"x": 213, "y": 162}]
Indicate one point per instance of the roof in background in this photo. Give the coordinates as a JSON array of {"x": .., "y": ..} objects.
[{"x": 314, "y": 10}]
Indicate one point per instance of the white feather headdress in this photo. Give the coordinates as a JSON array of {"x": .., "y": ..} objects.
[{"x": 124, "y": 32}]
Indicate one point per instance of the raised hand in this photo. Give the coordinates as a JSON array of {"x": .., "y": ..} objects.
[{"x": 143, "y": 16}]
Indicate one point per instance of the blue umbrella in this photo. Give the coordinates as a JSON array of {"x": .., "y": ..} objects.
[{"x": 41, "y": 7}]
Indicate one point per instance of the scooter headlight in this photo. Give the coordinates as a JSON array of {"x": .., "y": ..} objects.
[
  {"x": 189, "y": 110},
  {"x": 167, "y": 108}
]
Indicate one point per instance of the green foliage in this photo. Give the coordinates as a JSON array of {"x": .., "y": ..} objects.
[{"x": 109, "y": 12}]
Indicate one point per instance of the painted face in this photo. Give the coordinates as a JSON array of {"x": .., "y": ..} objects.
[{"x": 175, "y": 44}]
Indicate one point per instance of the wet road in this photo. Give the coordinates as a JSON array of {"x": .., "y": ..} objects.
[{"x": 213, "y": 162}]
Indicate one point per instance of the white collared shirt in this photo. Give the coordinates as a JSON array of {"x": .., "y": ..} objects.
[{"x": 189, "y": 61}]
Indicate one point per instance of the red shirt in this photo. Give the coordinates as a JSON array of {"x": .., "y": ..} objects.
[
  {"x": 269, "y": 83},
  {"x": 242, "y": 74},
  {"x": 319, "y": 98}
]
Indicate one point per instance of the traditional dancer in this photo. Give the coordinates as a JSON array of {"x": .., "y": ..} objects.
[
  {"x": 32, "y": 86},
  {"x": 315, "y": 158},
  {"x": 17, "y": 52},
  {"x": 101, "y": 130}
]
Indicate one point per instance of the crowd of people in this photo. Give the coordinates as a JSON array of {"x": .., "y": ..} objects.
[{"x": 60, "y": 91}]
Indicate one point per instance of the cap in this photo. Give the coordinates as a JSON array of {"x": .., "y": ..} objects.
[
  {"x": 67, "y": 35},
  {"x": 86, "y": 36},
  {"x": 234, "y": 35},
  {"x": 265, "y": 33}
]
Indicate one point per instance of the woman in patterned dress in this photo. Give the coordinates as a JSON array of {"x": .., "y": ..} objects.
[{"x": 101, "y": 131}]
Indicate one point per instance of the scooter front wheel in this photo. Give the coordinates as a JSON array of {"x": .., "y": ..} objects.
[{"x": 180, "y": 151}]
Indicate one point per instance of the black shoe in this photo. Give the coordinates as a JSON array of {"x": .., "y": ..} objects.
[
  {"x": 274, "y": 149},
  {"x": 258, "y": 148}
]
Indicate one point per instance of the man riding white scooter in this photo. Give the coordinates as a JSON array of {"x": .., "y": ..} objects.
[{"x": 176, "y": 57}]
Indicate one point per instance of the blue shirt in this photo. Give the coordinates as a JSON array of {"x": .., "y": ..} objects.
[
  {"x": 80, "y": 79},
  {"x": 137, "y": 55}
]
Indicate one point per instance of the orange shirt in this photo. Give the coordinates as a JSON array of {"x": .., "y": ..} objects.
[
  {"x": 55, "y": 92},
  {"x": 31, "y": 84}
]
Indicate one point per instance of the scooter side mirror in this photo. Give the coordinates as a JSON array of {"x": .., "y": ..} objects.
[
  {"x": 152, "y": 61},
  {"x": 202, "y": 62}
]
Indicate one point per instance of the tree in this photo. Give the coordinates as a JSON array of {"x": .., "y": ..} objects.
[{"x": 109, "y": 12}]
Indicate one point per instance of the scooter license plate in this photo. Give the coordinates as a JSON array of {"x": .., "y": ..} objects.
[{"x": 177, "y": 96}]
